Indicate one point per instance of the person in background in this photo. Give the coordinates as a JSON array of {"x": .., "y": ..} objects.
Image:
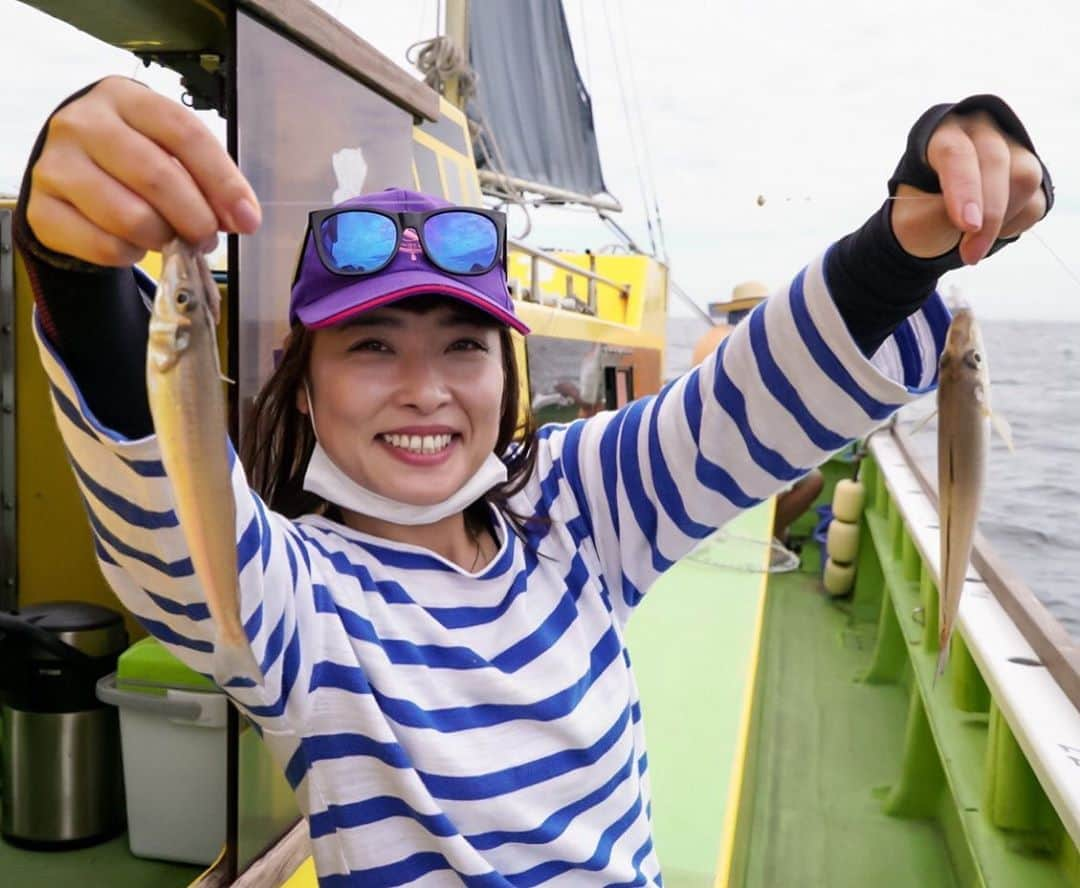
[
  {"x": 790, "y": 504},
  {"x": 435, "y": 593}
]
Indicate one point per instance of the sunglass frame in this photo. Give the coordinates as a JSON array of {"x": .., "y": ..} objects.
[{"x": 402, "y": 221}]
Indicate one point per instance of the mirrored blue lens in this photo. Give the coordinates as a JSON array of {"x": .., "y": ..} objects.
[
  {"x": 358, "y": 241},
  {"x": 461, "y": 243}
]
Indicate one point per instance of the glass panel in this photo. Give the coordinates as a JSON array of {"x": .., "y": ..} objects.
[
  {"x": 452, "y": 178},
  {"x": 566, "y": 377},
  {"x": 309, "y": 136},
  {"x": 427, "y": 169}
]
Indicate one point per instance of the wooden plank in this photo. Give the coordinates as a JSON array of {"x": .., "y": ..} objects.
[
  {"x": 275, "y": 867},
  {"x": 327, "y": 38}
]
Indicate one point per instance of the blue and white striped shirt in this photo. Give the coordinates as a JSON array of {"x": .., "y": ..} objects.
[{"x": 445, "y": 728}]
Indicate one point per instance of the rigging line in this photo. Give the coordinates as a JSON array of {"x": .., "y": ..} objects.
[
  {"x": 585, "y": 47},
  {"x": 650, "y": 177},
  {"x": 685, "y": 297},
  {"x": 621, "y": 232},
  {"x": 629, "y": 126},
  {"x": 420, "y": 22},
  {"x": 1052, "y": 252}
]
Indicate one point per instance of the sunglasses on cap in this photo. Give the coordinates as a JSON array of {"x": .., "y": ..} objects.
[{"x": 460, "y": 241}]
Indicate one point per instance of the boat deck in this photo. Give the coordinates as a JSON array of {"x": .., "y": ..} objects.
[
  {"x": 110, "y": 863},
  {"x": 693, "y": 642},
  {"x": 824, "y": 745},
  {"x": 827, "y": 747}
]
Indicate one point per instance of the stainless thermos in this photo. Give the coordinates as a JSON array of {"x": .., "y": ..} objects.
[{"x": 59, "y": 745}]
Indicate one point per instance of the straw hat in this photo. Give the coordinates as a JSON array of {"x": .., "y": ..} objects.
[
  {"x": 744, "y": 296},
  {"x": 749, "y": 290}
]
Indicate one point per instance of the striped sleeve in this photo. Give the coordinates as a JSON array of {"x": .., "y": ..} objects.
[
  {"x": 786, "y": 389},
  {"x": 143, "y": 555}
]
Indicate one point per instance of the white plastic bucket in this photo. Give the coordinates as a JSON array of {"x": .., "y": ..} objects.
[{"x": 174, "y": 751}]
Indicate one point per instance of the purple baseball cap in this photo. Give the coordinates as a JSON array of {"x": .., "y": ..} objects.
[{"x": 321, "y": 298}]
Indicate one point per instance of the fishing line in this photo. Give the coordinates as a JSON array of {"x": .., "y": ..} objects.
[
  {"x": 761, "y": 201},
  {"x": 786, "y": 563},
  {"x": 1051, "y": 251}
]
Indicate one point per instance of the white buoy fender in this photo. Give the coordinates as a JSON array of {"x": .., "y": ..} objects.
[
  {"x": 848, "y": 500},
  {"x": 842, "y": 542},
  {"x": 839, "y": 578}
]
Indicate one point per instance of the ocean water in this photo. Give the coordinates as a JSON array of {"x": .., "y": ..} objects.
[{"x": 1031, "y": 503}]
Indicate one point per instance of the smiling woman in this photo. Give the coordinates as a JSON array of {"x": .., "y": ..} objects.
[
  {"x": 436, "y": 597},
  {"x": 412, "y": 401}
]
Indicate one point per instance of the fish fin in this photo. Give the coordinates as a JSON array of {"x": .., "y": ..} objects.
[
  {"x": 213, "y": 294},
  {"x": 1001, "y": 426},
  {"x": 918, "y": 427},
  {"x": 233, "y": 661}
]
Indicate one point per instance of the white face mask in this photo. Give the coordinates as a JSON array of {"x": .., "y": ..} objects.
[{"x": 325, "y": 479}]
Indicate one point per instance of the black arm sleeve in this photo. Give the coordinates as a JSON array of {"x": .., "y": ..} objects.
[
  {"x": 875, "y": 283},
  {"x": 94, "y": 317}
]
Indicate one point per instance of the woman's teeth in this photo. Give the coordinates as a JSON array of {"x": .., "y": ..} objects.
[{"x": 419, "y": 443}]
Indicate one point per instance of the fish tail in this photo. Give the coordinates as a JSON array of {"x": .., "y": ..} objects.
[
  {"x": 942, "y": 660},
  {"x": 235, "y": 661}
]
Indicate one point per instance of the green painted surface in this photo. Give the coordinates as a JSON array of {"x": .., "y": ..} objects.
[
  {"x": 110, "y": 864},
  {"x": 1000, "y": 828},
  {"x": 829, "y": 746},
  {"x": 691, "y": 647}
]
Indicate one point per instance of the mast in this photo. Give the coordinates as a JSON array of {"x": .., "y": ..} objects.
[{"x": 456, "y": 30}]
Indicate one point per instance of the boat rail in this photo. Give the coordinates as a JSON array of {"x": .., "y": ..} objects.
[
  {"x": 1053, "y": 645},
  {"x": 1003, "y": 725},
  {"x": 534, "y": 292}
]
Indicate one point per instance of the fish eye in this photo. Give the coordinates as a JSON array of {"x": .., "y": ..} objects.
[
  {"x": 182, "y": 297},
  {"x": 976, "y": 357}
]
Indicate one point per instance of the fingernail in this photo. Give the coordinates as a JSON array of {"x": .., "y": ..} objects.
[
  {"x": 208, "y": 244},
  {"x": 244, "y": 216},
  {"x": 973, "y": 215}
]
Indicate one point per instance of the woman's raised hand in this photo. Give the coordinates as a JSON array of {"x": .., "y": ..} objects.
[
  {"x": 124, "y": 170},
  {"x": 990, "y": 184}
]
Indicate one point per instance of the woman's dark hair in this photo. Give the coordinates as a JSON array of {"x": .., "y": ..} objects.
[{"x": 278, "y": 439}]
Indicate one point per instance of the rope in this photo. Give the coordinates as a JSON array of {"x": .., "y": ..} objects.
[{"x": 440, "y": 60}]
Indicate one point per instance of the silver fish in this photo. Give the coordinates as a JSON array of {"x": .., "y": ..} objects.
[
  {"x": 183, "y": 378},
  {"x": 964, "y": 418}
]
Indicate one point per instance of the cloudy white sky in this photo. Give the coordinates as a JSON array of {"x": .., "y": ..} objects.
[{"x": 805, "y": 102}]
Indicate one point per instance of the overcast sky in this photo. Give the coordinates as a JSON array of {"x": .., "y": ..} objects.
[{"x": 804, "y": 103}]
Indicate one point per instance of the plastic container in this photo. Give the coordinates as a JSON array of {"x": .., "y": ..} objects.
[{"x": 172, "y": 737}]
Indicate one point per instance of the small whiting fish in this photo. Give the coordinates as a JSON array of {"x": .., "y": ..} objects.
[
  {"x": 964, "y": 416},
  {"x": 183, "y": 378}
]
